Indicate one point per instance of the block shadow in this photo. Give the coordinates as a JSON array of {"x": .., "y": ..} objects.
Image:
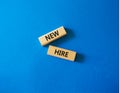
[
  {"x": 70, "y": 35},
  {"x": 80, "y": 58}
]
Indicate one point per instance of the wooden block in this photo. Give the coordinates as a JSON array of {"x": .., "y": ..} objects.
[
  {"x": 51, "y": 36},
  {"x": 61, "y": 53}
]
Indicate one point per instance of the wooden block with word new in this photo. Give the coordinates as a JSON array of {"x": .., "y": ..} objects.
[
  {"x": 51, "y": 36},
  {"x": 61, "y": 53}
]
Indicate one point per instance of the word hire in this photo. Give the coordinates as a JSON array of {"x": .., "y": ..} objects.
[{"x": 61, "y": 53}]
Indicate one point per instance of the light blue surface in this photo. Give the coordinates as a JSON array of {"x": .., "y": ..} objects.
[{"x": 92, "y": 27}]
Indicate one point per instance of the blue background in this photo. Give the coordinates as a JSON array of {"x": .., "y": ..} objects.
[{"x": 92, "y": 27}]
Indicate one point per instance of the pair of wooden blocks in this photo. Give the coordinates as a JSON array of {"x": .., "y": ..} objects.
[{"x": 56, "y": 51}]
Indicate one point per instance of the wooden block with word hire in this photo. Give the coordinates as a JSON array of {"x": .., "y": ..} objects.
[
  {"x": 51, "y": 36},
  {"x": 61, "y": 53}
]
